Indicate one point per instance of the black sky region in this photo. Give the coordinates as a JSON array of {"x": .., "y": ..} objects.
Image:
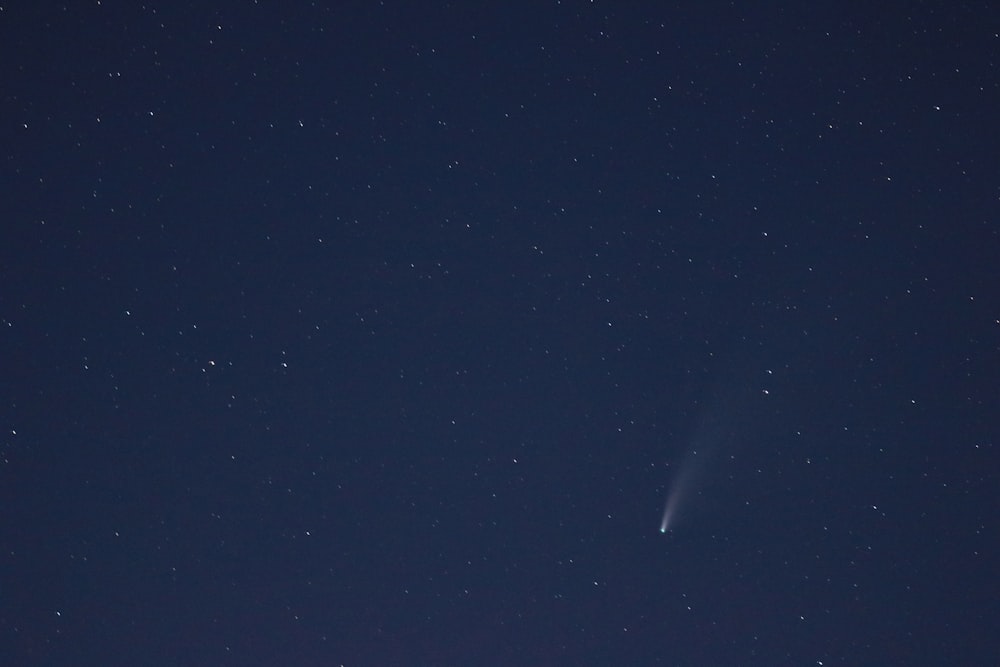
[{"x": 380, "y": 333}]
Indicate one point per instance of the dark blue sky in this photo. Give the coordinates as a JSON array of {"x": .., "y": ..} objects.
[{"x": 381, "y": 333}]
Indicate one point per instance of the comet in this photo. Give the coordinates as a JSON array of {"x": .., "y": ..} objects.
[
  {"x": 669, "y": 508},
  {"x": 683, "y": 480}
]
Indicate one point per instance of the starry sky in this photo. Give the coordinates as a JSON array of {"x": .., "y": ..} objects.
[{"x": 392, "y": 333}]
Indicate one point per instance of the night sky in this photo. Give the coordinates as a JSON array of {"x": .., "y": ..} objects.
[{"x": 392, "y": 333}]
